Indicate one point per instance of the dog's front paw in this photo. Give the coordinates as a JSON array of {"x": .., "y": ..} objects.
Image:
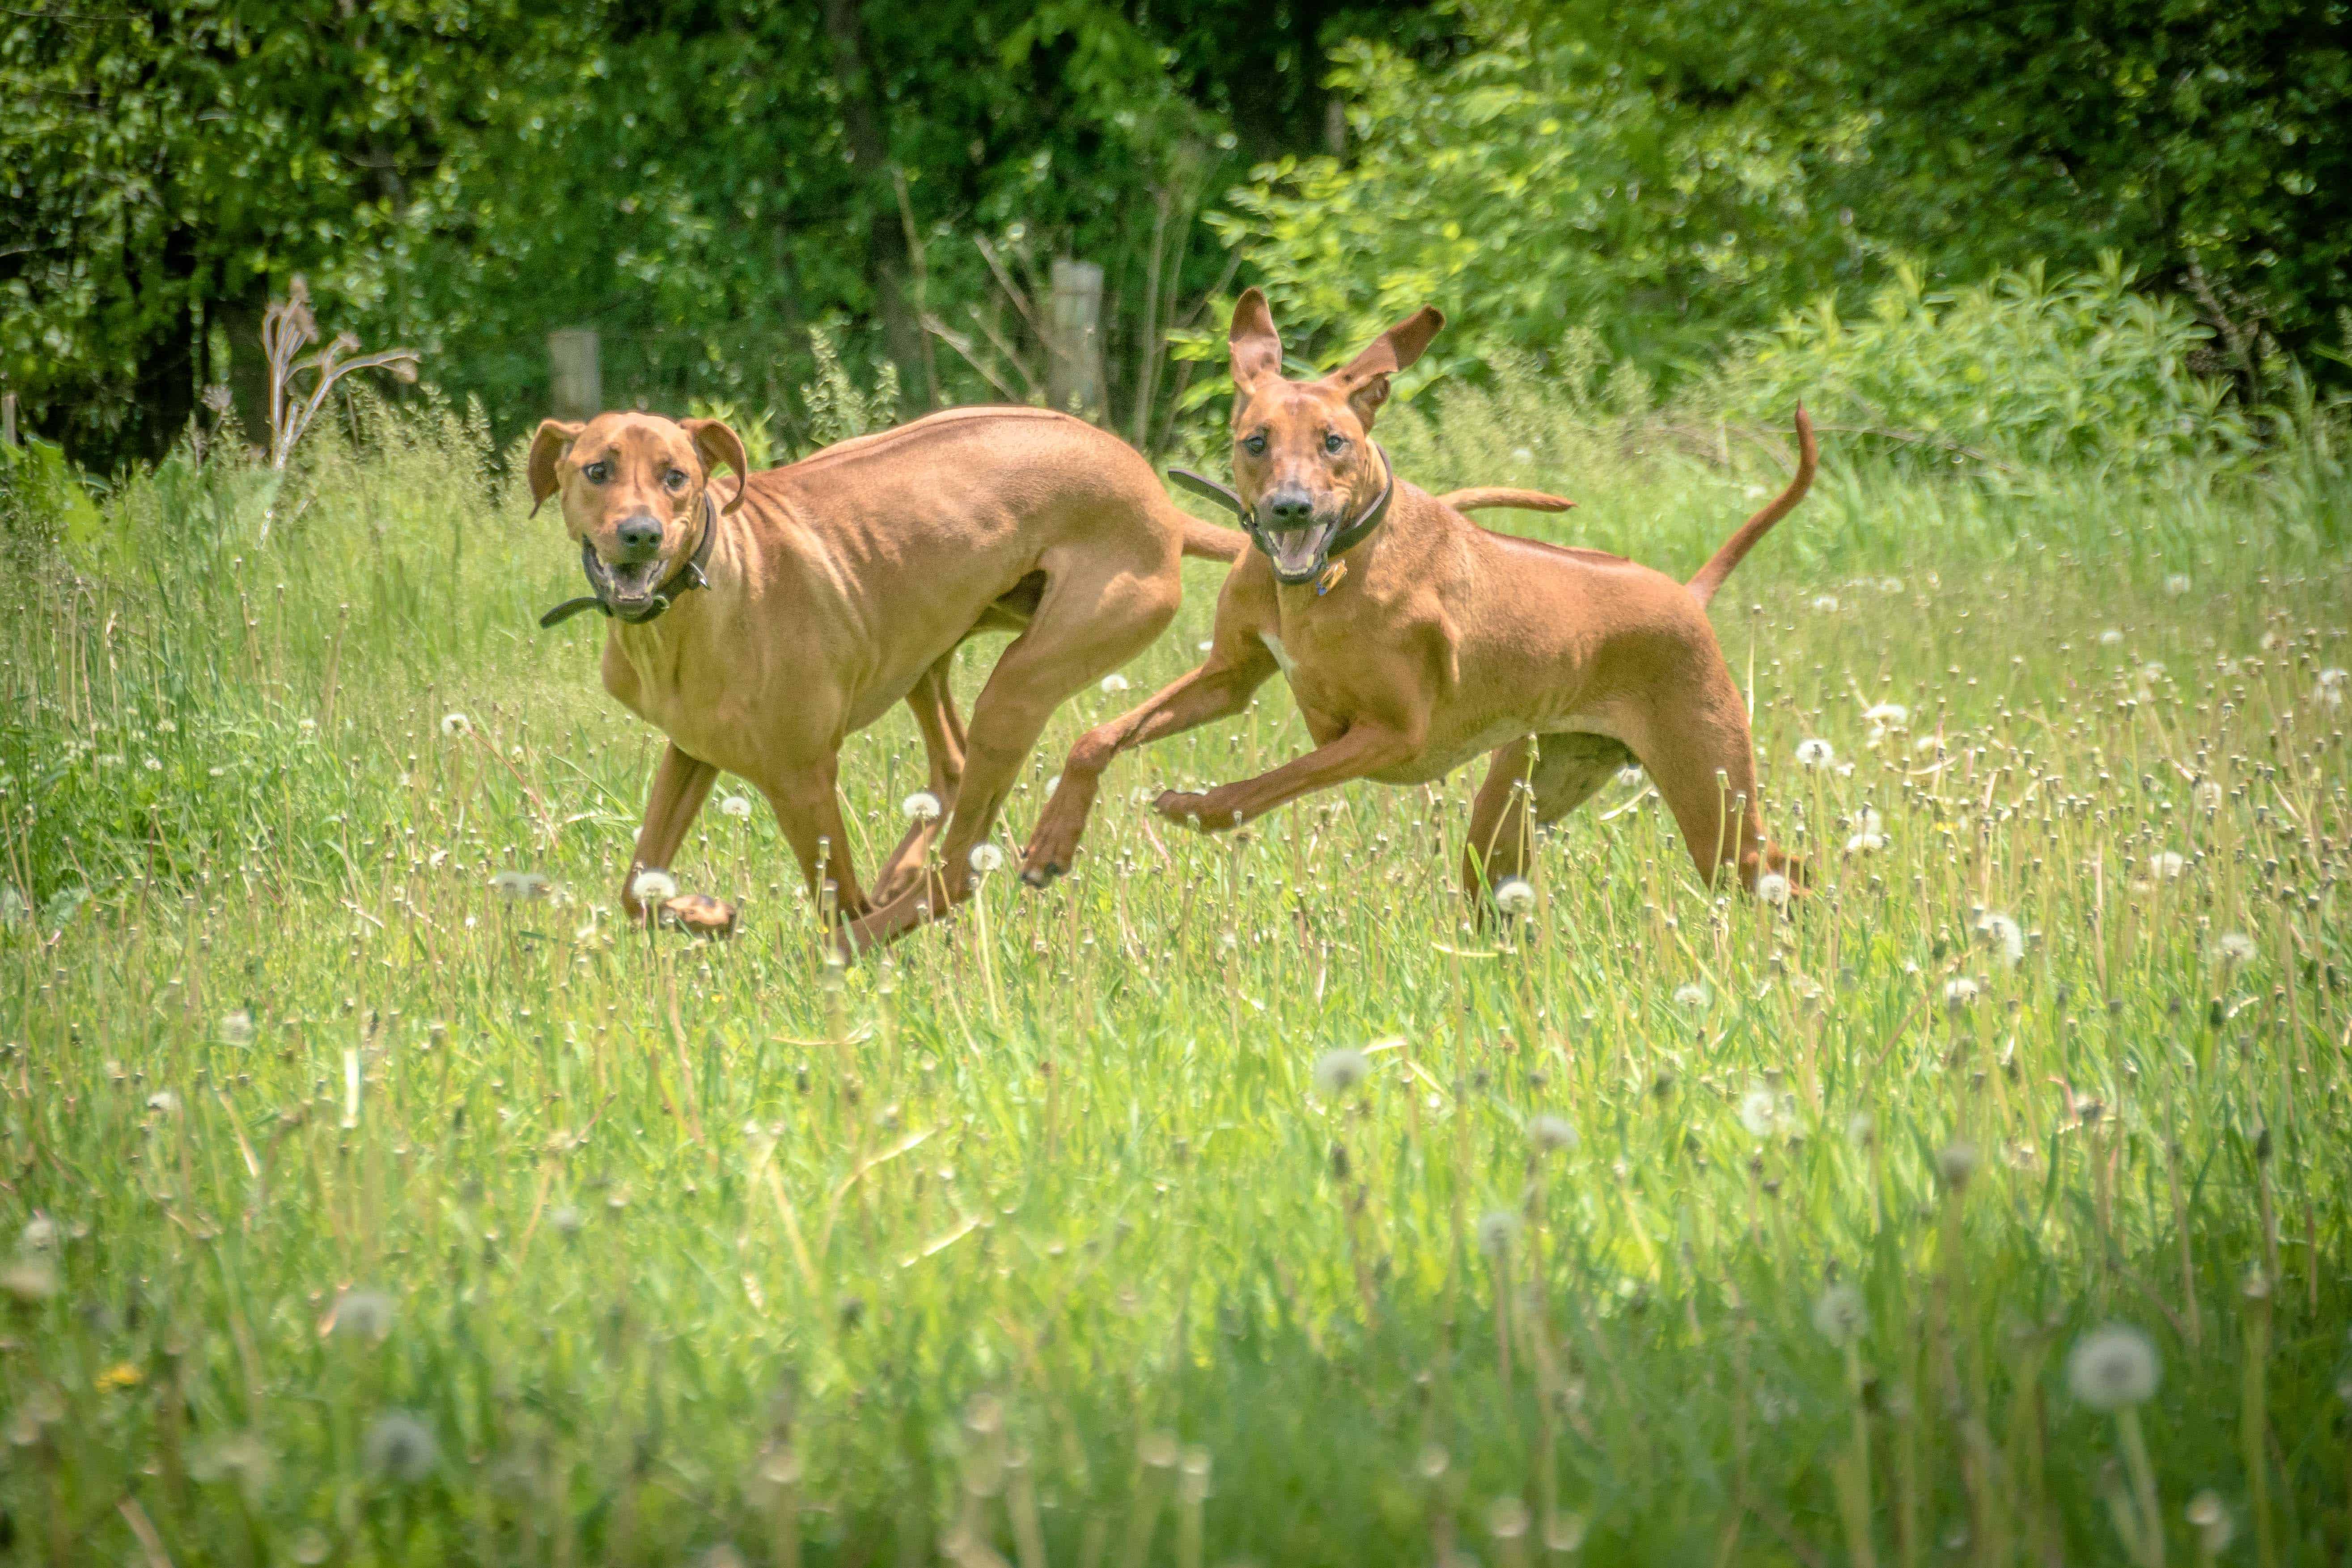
[{"x": 1200, "y": 812}]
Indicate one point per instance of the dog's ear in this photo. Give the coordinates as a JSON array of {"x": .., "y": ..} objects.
[
  {"x": 547, "y": 448},
  {"x": 1365, "y": 378},
  {"x": 1257, "y": 350},
  {"x": 715, "y": 444}
]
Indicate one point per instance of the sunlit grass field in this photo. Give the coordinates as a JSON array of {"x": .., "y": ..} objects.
[{"x": 1238, "y": 1200}]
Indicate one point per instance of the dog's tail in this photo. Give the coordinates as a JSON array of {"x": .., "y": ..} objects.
[
  {"x": 1210, "y": 543},
  {"x": 1479, "y": 498},
  {"x": 1735, "y": 548}
]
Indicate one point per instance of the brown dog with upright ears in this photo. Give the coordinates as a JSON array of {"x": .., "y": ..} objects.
[
  {"x": 759, "y": 621},
  {"x": 1413, "y": 639}
]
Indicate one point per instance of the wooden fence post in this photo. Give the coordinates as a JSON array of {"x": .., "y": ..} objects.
[
  {"x": 1075, "y": 375},
  {"x": 8, "y": 418},
  {"x": 575, "y": 382}
]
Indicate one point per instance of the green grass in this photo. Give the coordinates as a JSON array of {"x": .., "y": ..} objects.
[{"x": 514, "y": 1234}]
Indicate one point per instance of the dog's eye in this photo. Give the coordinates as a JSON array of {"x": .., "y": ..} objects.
[
  {"x": 597, "y": 473},
  {"x": 1255, "y": 444},
  {"x": 1335, "y": 442},
  {"x": 674, "y": 479}
]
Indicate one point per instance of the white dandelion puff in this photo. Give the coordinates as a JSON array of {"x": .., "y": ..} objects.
[
  {"x": 236, "y": 1029},
  {"x": 1860, "y": 1128},
  {"x": 2113, "y": 1368},
  {"x": 1865, "y": 843},
  {"x": 1772, "y": 888},
  {"x": 1497, "y": 1229},
  {"x": 364, "y": 1315},
  {"x": 2000, "y": 932},
  {"x": 2209, "y": 794},
  {"x": 653, "y": 886},
  {"x": 1629, "y": 775},
  {"x": 1840, "y": 1315},
  {"x": 1887, "y": 715},
  {"x": 738, "y": 806},
  {"x": 1955, "y": 1163},
  {"x": 1552, "y": 1134},
  {"x": 1054, "y": 783},
  {"x": 921, "y": 807},
  {"x": 2111, "y": 637},
  {"x": 1341, "y": 1071},
  {"x": 1815, "y": 753},
  {"x": 1691, "y": 997},
  {"x": 1961, "y": 992},
  {"x": 2330, "y": 688},
  {"x": 2210, "y": 1520},
  {"x": 1113, "y": 682},
  {"x": 1516, "y": 896},
  {"x": 987, "y": 857},
  {"x": 456, "y": 726},
  {"x": 1759, "y": 1112},
  {"x": 2168, "y": 865},
  {"x": 400, "y": 1448},
  {"x": 2176, "y": 584},
  {"x": 520, "y": 887},
  {"x": 1826, "y": 603},
  {"x": 2233, "y": 947}
]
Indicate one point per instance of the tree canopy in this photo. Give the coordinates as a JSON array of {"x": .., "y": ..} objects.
[{"x": 707, "y": 180}]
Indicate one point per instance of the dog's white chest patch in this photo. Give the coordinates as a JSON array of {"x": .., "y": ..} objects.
[{"x": 1281, "y": 655}]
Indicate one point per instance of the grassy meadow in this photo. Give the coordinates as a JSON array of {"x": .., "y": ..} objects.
[{"x": 371, "y": 1194}]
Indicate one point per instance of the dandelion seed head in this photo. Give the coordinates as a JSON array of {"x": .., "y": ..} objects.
[
  {"x": 2209, "y": 794},
  {"x": 2176, "y": 584},
  {"x": 921, "y": 807},
  {"x": 738, "y": 806},
  {"x": 1552, "y": 1134},
  {"x": 2207, "y": 1516},
  {"x": 2111, "y": 638},
  {"x": 236, "y": 1029},
  {"x": 1113, "y": 682},
  {"x": 1955, "y": 1163},
  {"x": 987, "y": 857},
  {"x": 2004, "y": 935},
  {"x": 1516, "y": 896},
  {"x": 1893, "y": 715},
  {"x": 1772, "y": 888},
  {"x": 402, "y": 1448},
  {"x": 2235, "y": 947},
  {"x": 1629, "y": 775},
  {"x": 1815, "y": 753},
  {"x": 1691, "y": 996},
  {"x": 2168, "y": 865},
  {"x": 364, "y": 1315},
  {"x": 520, "y": 887},
  {"x": 1340, "y": 1071},
  {"x": 41, "y": 1235},
  {"x": 1759, "y": 1112},
  {"x": 29, "y": 1279},
  {"x": 1840, "y": 1315},
  {"x": 2113, "y": 1368},
  {"x": 456, "y": 726},
  {"x": 653, "y": 886},
  {"x": 1825, "y": 603},
  {"x": 1961, "y": 992},
  {"x": 1497, "y": 1230},
  {"x": 1860, "y": 1128}
]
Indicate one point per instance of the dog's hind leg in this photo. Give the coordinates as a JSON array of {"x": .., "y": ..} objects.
[
  {"x": 1700, "y": 756},
  {"x": 933, "y": 704},
  {"x": 1095, "y": 615},
  {"x": 681, "y": 784},
  {"x": 1568, "y": 768}
]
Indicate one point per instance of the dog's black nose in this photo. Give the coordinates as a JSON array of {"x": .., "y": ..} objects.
[
  {"x": 639, "y": 537},
  {"x": 1289, "y": 507}
]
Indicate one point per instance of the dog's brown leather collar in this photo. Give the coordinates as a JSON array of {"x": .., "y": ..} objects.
[
  {"x": 684, "y": 580},
  {"x": 1340, "y": 543}
]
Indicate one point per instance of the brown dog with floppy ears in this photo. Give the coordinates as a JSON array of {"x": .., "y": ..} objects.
[
  {"x": 1413, "y": 639},
  {"x": 758, "y": 622}
]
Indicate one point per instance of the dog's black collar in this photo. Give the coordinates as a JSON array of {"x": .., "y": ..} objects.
[
  {"x": 1340, "y": 543},
  {"x": 684, "y": 580}
]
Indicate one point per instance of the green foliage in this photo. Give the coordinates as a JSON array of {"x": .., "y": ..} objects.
[
  {"x": 1666, "y": 174},
  {"x": 2017, "y": 369},
  {"x": 356, "y": 1212}
]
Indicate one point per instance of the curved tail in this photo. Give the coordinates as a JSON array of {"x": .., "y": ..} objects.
[
  {"x": 1735, "y": 548},
  {"x": 1210, "y": 543},
  {"x": 1479, "y": 498}
]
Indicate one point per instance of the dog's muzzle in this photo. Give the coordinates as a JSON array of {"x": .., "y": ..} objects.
[
  {"x": 1300, "y": 552},
  {"x": 632, "y": 596}
]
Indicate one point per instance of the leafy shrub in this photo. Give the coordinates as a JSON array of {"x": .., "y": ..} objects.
[{"x": 2018, "y": 369}]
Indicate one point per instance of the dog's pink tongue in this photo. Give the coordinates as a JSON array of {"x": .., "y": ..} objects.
[{"x": 1294, "y": 553}]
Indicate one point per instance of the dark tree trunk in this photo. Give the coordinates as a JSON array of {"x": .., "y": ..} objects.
[
  {"x": 248, "y": 373},
  {"x": 163, "y": 388},
  {"x": 886, "y": 257}
]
